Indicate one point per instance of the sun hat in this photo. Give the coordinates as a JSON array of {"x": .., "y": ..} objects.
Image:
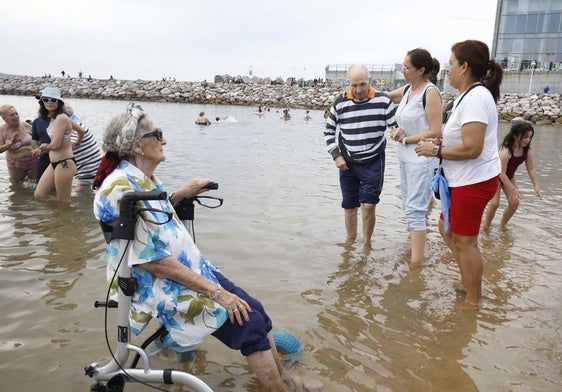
[{"x": 50, "y": 92}]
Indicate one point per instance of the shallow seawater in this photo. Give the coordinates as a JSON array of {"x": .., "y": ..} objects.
[{"x": 366, "y": 322}]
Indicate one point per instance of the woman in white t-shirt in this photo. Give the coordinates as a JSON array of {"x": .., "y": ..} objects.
[{"x": 470, "y": 159}]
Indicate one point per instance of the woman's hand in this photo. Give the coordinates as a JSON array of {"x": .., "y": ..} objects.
[
  {"x": 425, "y": 148},
  {"x": 538, "y": 192},
  {"x": 44, "y": 148},
  {"x": 15, "y": 139},
  {"x": 236, "y": 307},
  {"x": 170, "y": 268},
  {"x": 191, "y": 188},
  {"x": 515, "y": 194},
  {"x": 397, "y": 134}
]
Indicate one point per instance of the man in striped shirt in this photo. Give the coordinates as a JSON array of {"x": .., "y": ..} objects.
[{"x": 362, "y": 116}]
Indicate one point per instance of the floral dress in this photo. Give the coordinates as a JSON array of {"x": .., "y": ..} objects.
[{"x": 187, "y": 315}]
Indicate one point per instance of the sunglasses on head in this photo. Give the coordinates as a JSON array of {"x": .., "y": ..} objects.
[
  {"x": 157, "y": 133},
  {"x": 47, "y": 99}
]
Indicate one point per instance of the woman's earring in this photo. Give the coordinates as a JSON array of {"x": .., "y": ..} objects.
[{"x": 142, "y": 152}]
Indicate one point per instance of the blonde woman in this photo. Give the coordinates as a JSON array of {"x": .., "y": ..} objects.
[{"x": 15, "y": 141}]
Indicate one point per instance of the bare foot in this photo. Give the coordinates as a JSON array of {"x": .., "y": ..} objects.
[
  {"x": 367, "y": 248},
  {"x": 459, "y": 287},
  {"x": 469, "y": 305},
  {"x": 447, "y": 259},
  {"x": 415, "y": 265},
  {"x": 347, "y": 243},
  {"x": 296, "y": 382}
]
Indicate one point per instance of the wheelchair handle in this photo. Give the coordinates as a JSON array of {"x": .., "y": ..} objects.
[
  {"x": 126, "y": 209},
  {"x": 186, "y": 207},
  {"x": 125, "y": 227}
]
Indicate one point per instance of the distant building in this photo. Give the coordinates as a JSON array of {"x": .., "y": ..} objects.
[
  {"x": 528, "y": 34},
  {"x": 383, "y": 76}
]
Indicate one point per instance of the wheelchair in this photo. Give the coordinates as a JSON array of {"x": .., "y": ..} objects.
[{"x": 113, "y": 376}]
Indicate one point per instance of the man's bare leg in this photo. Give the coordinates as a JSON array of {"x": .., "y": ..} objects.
[
  {"x": 369, "y": 219},
  {"x": 350, "y": 225}
]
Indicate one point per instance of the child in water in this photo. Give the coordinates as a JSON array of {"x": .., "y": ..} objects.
[{"x": 515, "y": 149}]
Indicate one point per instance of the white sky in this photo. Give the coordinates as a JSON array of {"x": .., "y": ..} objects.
[{"x": 193, "y": 40}]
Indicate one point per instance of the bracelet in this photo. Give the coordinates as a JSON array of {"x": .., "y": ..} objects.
[
  {"x": 404, "y": 140},
  {"x": 171, "y": 197},
  {"x": 216, "y": 294}
]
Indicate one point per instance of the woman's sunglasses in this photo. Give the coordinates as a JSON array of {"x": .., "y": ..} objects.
[
  {"x": 157, "y": 133},
  {"x": 47, "y": 99}
]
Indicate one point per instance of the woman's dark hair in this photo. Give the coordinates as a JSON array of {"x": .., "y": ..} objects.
[
  {"x": 517, "y": 131},
  {"x": 477, "y": 55},
  {"x": 421, "y": 58},
  {"x": 44, "y": 113}
]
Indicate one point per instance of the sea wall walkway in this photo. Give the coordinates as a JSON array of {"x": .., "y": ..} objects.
[{"x": 538, "y": 108}]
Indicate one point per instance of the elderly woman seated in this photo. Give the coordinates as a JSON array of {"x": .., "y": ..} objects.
[{"x": 175, "y": 282}]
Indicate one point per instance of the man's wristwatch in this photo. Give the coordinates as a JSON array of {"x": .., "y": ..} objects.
[{"x": 435, "y": 151}]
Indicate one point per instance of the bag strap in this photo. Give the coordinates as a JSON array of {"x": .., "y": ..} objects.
[
  {"x": 424, "y": 92},
  {"x": 466, "y": 92}
]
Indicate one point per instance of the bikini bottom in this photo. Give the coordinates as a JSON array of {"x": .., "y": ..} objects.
[
  {"x": 63, "y": 162},
  {"x": 22, "y": 165}
]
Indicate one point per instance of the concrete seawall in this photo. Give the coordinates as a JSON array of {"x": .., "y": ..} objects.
[{"x": 538, "y": 108}]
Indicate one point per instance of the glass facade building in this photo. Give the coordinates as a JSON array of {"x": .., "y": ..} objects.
[{"x": 528, "y": 34}]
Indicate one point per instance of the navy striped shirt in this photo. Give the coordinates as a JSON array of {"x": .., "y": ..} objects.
[
  {"x": 88, "y": 155},
  {"x": 362, "y": 127}
]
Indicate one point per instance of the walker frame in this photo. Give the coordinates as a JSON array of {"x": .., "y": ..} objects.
[{"x": 116, "y": 373}]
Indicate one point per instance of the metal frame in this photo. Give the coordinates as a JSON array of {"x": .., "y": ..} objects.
[{"x": 116, "y": 373}]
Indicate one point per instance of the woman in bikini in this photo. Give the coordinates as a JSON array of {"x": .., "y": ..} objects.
[
  {"x": 515, "y": 149},
  {"x": 59, "y": 174},
  {"x": 15, "y": 141}
]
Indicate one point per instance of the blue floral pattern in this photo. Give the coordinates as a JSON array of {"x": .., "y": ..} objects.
[{"x": 187, "y": 315}]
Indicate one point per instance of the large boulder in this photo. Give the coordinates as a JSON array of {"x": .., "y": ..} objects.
[{"x": 221, "y": 79}]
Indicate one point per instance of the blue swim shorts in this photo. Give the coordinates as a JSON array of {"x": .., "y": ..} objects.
[{"x": 362, "y": 183}]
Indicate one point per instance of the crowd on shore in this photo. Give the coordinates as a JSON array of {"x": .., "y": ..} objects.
[{"x": 536, "y": 108}]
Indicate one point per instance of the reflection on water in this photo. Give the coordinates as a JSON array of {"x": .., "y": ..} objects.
[{"x": 365, "y": 321}]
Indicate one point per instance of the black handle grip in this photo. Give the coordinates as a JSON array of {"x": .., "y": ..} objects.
[
  {"x": 110, "y": 304},
  {"x": 130, "y": 198},
  {"x": 212, "y": 186}
]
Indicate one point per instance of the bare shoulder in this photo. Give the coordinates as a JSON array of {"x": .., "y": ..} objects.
[
  {"x": 63, "y": 120},
  {"x": 26, "y": 126},
  {"x": 433, "y": 91},
  {"x": 504, "y": 153}
]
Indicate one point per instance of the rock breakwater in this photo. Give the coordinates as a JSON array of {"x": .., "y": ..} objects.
[{"x": 537, "y": 108}]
